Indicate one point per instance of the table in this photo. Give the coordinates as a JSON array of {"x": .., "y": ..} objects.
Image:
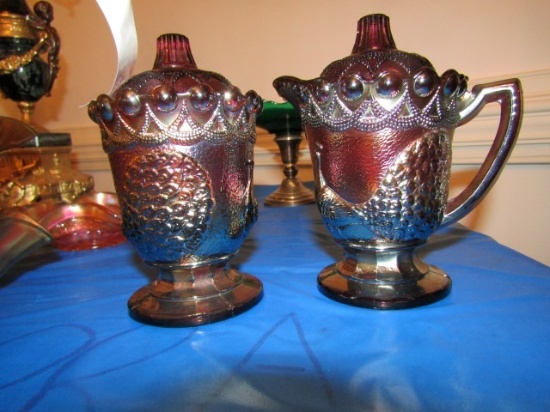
[{"x": 67, "y": 342}]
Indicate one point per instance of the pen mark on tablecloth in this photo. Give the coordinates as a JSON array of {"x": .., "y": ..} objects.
[
  {"x": 327, "y": 389},
  {"x": 53, "y": 381},
  {"x": 50, "y": 383},
  {"x": 316, "y": 364},
  {"x": 280, "y": 367},
  {"x": 87, "y": 331},
  {"x": 138, "y": 360}
]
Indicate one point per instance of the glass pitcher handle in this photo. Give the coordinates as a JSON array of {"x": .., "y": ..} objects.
[{"x": 508, "y": 93}]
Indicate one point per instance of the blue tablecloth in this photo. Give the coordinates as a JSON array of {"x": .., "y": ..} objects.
[{"x": 67, "y": 342}]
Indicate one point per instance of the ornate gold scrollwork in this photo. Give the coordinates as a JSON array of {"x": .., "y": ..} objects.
[{"x": 14, "y": 62}]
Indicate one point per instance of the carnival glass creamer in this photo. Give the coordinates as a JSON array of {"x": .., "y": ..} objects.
[
  {"x": 380, "y": 124},
  {"x": 180, "y": 144}
]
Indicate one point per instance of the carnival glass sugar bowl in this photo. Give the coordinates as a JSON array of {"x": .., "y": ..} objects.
[
  {"x": 380, "y": 125},
  {"x": 180, "y": 145}
]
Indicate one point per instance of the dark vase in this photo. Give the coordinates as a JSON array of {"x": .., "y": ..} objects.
[{"x": 25, "y": 75}]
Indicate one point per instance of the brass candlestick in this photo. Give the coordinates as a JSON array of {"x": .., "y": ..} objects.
[{"x": 283, "y": 120}]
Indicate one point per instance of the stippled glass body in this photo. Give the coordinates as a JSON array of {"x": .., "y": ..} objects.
[
  {"x": 380, "y": 126},
  {"x": 180, "y": 143}
]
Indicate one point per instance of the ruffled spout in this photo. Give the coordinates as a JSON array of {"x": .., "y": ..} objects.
[{"x": 291, "y": 89}]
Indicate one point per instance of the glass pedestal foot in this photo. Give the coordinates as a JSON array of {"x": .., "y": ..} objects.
[
  {"x": 384, "y": 279},
  {"x": 184, "y": 296}
]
